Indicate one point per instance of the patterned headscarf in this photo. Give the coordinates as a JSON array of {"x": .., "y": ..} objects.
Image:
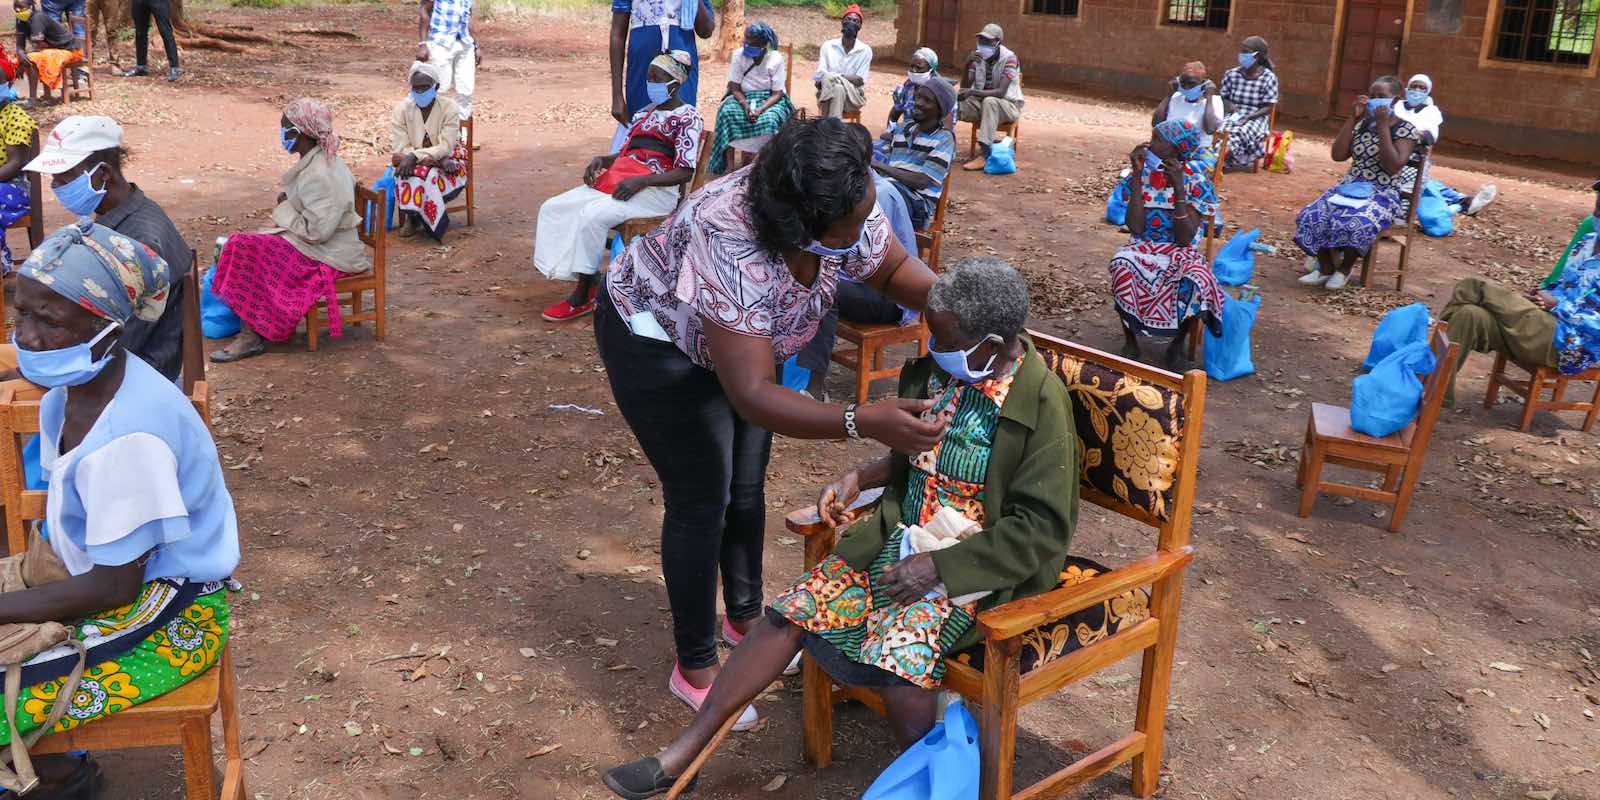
[
  {"x": 676, "y": 63},
  {"x": 107, "y": 274},
  {"x": 765, "y": 33},
  {"x": 313, "y": 118},
  {"x": 426, "y": 69},
  {"x": 927, "y": 54},
  {"x": 1181, "y": 134}
]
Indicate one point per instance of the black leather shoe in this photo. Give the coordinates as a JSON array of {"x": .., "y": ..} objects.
[{"x": 640, "y": 779}]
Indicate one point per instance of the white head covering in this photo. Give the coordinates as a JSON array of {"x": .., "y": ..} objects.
[
  {"x": 927, "y": 54},
  {"x": 1427, "y": 119},
  {"x": 426, "y": 69},
  {"x": 1423, "y": 79}
]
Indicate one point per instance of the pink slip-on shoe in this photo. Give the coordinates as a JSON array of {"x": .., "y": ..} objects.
[{"x": 682, "y": 689}]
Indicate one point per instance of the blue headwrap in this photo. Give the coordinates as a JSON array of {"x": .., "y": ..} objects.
[
  {"x": 105, "y": 273},
  {"x": 765, "y": 33},
  {"x": 1182, "y": 135}
]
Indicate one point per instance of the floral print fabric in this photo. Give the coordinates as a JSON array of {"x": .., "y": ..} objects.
[
  {"x": 107, "y": 274},
  {"x": 1577, "y": 311}
]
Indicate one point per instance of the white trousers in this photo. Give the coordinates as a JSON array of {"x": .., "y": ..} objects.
[
  {"x": 458, "y": 70},
  {"x": 571, "y": 237}
]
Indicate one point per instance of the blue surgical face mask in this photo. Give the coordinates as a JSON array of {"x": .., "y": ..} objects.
[
  {"x": 1152, "y": 160},
  {"x": 1376, "y": 103},
  {"x": 1247, "y": 59},
  {"x": 1193, "y": 93},
  {"x": 79, "y": 195},
  {"x": 425, "y": 99},
  {"x": 987, "y": 51},
  {"x": 67, "y": 366},
  {"x": 288, "y": 137},
  {"x": 1416, "y": 97},
  {"x": 955, "y": 361},
  {"x": 821, "y": 249},
  {"x": 754, "y": 51},
  {"x": 659, "y": 92}
]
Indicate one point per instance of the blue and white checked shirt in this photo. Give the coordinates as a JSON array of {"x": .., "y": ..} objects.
[{"x": 451, "y": 21}]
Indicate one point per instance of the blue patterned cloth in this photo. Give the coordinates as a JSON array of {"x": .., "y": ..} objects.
[
  {"x": 1577, "y": 313},
  {"x": 1158, "y": 194},
  {"x": 451, "y": 20},
  {"x": 1327, "y": 225}
]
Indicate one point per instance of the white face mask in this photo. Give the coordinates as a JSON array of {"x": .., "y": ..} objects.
[
  {"x": 918, "y": 78},
  {"x": 987, "y": 50}
]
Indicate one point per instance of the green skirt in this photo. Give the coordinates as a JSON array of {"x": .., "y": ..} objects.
[
  {"x": 734, "y": 125},
  {"x": 175, "y": 652}
]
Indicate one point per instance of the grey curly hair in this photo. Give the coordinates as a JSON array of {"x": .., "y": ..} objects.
[{"x": 987, "y": 294}]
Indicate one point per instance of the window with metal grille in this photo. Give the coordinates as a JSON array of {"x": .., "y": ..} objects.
[
  {"x": 1060, "y": 8},
  {"x": 1198, "y": 13},
  {"x": 1547, "y": 31}
]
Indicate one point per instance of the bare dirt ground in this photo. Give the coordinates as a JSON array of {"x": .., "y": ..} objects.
[{"x": 452, "y": 590}]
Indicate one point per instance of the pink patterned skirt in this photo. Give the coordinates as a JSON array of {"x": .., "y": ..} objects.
[{"x": 271, "y": 285}]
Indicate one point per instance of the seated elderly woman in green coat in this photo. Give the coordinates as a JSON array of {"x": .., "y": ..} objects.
[{"x": 981, "y": 519}]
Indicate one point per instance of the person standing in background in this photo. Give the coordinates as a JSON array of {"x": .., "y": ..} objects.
[
  {"x": 444, "y": 27},
  {"x": 143, "y": 12},
  {"x": 642, "y": 30}
]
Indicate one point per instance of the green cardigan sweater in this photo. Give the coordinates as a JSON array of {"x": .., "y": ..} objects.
[{"x": 1030, "y": 496}]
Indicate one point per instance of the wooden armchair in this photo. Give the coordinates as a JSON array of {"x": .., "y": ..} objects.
[
  {"x": 352, "y": 288},
  {"x": 869, "y": 357},
  {"x": 1401, "y": 234},
  {"x": 33, "y": 221},
  {"x": 1399, "y": 456},
  {"x": 1035, "y": 646},
  {"x": 466, "y": 203},
  {"x": 1538, "y": 381},
  {"x": 181, "y": 717},
  {"x": 194, "y": 344}
]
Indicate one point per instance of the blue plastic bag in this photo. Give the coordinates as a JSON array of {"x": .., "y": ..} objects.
[
  {"x": 1235, "y": 263},
  {"x": 942, "y": 766},
  {"x": 1386, "y": 399},
  {"x": 1002, "y": 158},
  {"x": 1228, "y": 356},
  {"x": 795, "y": 377},
  {"x": 1398, "y": 328},
  {"x": 386, "y": 184},
  {"x": 1117, "y": 203},
  {"x": 217, "y": 321},
  {"x": 1434, "y": 214}
]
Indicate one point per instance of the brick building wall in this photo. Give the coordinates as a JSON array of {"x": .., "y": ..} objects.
[{"x": 1121, "y": 46}]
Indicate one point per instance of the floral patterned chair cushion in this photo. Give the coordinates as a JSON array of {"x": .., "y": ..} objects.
[
  {"x": 1130, "y": 432},
  {"x": 1050, "y": 642}
]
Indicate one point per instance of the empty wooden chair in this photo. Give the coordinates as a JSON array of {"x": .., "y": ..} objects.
[
  {"x": 1398, "y": 456},
  {"x": 1035, "y": 646},
  {"x": 869, "y": 358},
  {"x": 181, "y": 717},
  {"x": 465, "y": 197},
  {"x": 1400, "y": 234},
  {"x": 1538, "y": 381},
  {"x": 352, "y": 289}
]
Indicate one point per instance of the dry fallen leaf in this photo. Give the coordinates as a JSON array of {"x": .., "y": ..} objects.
[
  {"x": 776, "y": 783},
  {"x": 546, "y": 750},
  {"x": 1505, "y": 667},
  {"x": 528, "y": 652},
  {"x": 1542, "y": 719}
]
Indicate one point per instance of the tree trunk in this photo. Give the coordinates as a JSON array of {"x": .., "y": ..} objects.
[{"x": 731, "y": 37}]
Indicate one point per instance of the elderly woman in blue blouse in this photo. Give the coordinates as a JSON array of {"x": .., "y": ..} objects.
[{"x": 141, "y": 529}]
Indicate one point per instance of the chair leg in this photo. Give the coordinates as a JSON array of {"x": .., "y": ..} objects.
[
  {"x": 197, "y": 766},
  {"x": 997, "y": 737},
  {"x": 1531, "y": 402},
  {"x": 1405, "y": 255},
  {"x": 313, "y": 321},
  {"x": 817, "y": 713},
  {"x": 864, "y": 360},
  {"x": 1402, "y": 502},
  {"x": 1154, "y": 683},
  {"x": 1594, "y": 407},
  {"x": 233, "y": 785},
  {"x": 1496, "y": 379},
  {"x": 1391, "y": 477},
  {"x": 1366, "y": 264},
  {"x": 1313, "y": 477}
]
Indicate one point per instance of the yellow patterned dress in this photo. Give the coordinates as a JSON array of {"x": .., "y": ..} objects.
[
  {"x": 16, "y": 130},
  {"x": 853, "y": 621}
]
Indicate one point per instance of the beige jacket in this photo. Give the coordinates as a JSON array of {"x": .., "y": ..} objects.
[
  {"x": 318, "y": 216},
  {"x": 409, "y": 131}
]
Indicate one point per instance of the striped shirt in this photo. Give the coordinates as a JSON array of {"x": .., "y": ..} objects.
[
  {"x": 450, "y": 21},
  {"x": 928, "y": 153}
]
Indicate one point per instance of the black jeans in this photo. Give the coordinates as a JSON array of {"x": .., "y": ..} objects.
[
  {"x": 143, "y": 11},
  {"x": 713, "y": 470},
  {"x": 856, "y": 302}
]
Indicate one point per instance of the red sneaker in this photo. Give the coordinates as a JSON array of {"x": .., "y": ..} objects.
[{"x": 565, "y": 311}]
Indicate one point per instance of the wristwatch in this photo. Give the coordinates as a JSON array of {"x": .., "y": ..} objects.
[{"x": 850, "y": 422}]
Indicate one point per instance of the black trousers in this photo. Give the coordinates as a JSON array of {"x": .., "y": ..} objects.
[
  {"x": 856, "y": 302},
  {"x": 713, "y": 470},
  {"x": 143, "y": 12}
]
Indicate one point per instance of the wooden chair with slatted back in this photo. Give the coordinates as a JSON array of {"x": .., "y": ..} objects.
[
  {"x": 1272, "y": 125},
  {"x": 181, "y": 717},
  {"x": 1398, "y": 456},
  {"x": 1220, "y": 142},
  {"x": 1036, "y": 646},
  {"x": 194, "y": 343},
  {"x": 33, "y": 221},
  {"x": 1532, "y": 390},
  {"x": 466, "y": 203},
  {"x": 1401, "y": 234},
  {"x": 869, "y": 358},
  {"x": 352, "y": 289}
]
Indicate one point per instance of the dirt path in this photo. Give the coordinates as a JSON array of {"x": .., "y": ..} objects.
[{"x": 453, "y": 590}]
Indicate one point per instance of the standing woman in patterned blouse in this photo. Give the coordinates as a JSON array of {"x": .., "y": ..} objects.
[
  {"x": 691, "y": 322},
  {"x": 1249, "y": 92},
  {"x": 1341, "y": 225}
]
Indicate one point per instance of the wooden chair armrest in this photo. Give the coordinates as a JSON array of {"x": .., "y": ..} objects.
[
  {"x": 1018, "y": 617},
  {"x": 807, "y": 522}
]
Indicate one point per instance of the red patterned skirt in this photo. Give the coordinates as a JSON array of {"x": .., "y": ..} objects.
[
  {"x": 271, "y": 285},
  {"x": 1159, "y": 285}
]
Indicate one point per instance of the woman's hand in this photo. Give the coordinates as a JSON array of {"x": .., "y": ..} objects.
[
  {"x": 592, "y": 172},
  {"x": 1175, "y": 176},
  {"x": 834, "y": 504},
  {"x": 908, "y": 579},
  {"x": 898, "y": 423},
  {"x": 1361, "y": 106},
  {"x": 394, "y": 160},
  {"x": 752, "y": 114},
  {"x": 627, "y": 188},
  {"x": 1384, "y": 117}
]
